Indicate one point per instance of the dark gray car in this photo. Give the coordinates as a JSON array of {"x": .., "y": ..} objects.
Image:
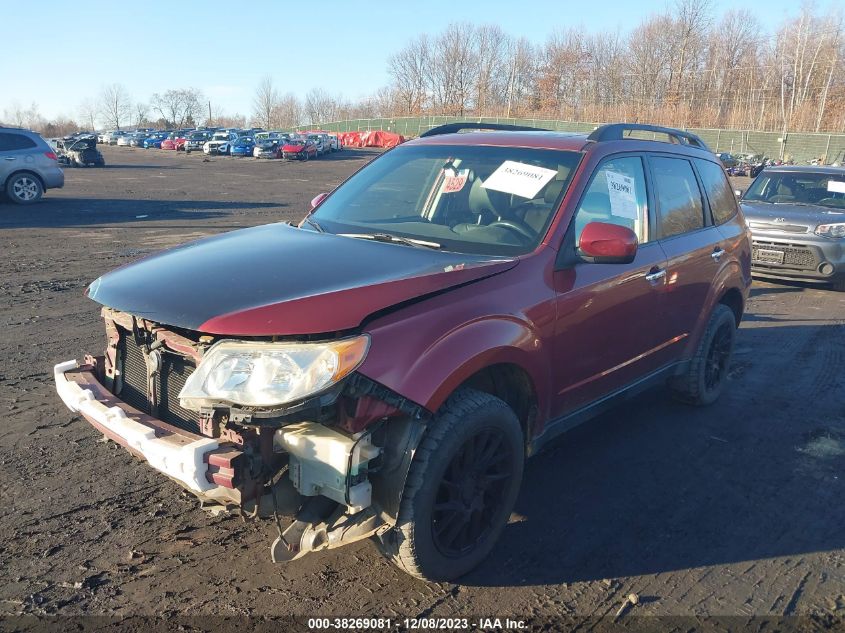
[
  {"x": 797, "y": 221},
  {"x": 28, "y": 165}
]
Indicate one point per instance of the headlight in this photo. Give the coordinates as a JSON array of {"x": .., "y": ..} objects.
[
  {"x": 831, "y": 230},
  {"x": 270, "y": 374}
]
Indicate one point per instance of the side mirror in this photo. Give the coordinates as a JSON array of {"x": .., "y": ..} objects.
[
  {"x": 315, "y": 202},
  {"x": 603, "y": 243}
]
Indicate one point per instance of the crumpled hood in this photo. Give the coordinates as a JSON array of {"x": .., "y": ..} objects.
[{"x": 279, "y": 280}]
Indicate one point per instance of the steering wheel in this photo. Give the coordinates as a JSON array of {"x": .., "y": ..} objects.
[{"x": 516, "y": 228}]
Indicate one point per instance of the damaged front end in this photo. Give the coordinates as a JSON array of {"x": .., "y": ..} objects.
[{"x": 271, "y": 429}]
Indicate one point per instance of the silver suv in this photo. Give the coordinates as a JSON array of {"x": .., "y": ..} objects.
[
  {"x": 28, "y": 165},
  {"x": 797, "y": 220}
]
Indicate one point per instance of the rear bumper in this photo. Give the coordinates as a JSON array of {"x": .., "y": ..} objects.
[
  {"x": 53, "y": 178},
  {"x": 200, "y": 464}
]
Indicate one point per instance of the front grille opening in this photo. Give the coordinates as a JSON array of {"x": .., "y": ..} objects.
[
  {"x": 794, "y": 256},
  {"x": 132, "y": 389}
]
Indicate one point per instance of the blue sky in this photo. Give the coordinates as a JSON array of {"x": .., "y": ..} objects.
[{"x": 225, "y": 48}]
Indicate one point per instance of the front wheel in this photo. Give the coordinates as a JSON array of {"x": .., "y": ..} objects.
[
  {"x": 461, "y": 488},
  {"x": 24, "y": 189},
  {"x": 704, "y": 379}
]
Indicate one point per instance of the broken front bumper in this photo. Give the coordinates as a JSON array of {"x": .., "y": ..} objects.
[{"x": 198, "y": 463}]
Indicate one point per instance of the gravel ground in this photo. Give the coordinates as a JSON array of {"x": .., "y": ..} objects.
[{"x": 735, "y": 510}]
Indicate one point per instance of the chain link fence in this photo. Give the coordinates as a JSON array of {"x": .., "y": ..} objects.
[{"x": 801, "y": 147}]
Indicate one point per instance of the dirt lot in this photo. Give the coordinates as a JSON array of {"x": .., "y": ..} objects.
[{"x": 736, "y": 509}]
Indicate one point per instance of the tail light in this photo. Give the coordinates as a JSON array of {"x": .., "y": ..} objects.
[{"x": 51, "y": 155}]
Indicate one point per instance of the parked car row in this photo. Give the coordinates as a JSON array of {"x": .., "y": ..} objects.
[{"x": 253, "y": 142}]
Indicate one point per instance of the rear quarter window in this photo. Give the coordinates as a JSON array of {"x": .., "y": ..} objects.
[
  {"x": 718, "y": 191},
  {"x": 11, "y": 141}
]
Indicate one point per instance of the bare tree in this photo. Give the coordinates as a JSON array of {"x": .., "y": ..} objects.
[
  {"x": 320, "y": 107},
  {"x": 409, "y": 68},
  {"x": 24, "y": 117},
  {"x": 142, "y": 114},
  {"x": 265, "y": 103},
  {"x": 115, "y": 105},
  {"x": 454, "y": 68},
  {"x": 289, "y": 111},
  {"x": 178, "y": 107},
  {"x": 88, "y": 111}
]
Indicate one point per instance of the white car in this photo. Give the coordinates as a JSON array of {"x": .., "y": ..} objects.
[
  {"x": 320, "y": 142},
  {"x": 335, "y": 142},
  {"x": 220, "y": 143},
  {"x": 125, "y": 140},
  {"x": 111, "y": 138}
]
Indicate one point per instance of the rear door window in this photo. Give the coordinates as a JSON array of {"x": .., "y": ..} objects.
[
  {"x": 616, "y": 195},
  {"x": 680, "y": 206},
  {"x": 718, "y": 190}
]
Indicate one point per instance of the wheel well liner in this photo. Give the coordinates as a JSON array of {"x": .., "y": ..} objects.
[
  {"x": 733, "y": 299},
  {"x": 512, "y": 384}
]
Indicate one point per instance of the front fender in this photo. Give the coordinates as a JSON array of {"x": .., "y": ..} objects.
[{"x": 428, "y": 376}]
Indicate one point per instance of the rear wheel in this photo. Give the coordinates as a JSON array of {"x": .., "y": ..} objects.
[
  {"x": 460, "y": 490},
  {"x": 705, "y": 377},
  {"x": 24, "y": 189}
]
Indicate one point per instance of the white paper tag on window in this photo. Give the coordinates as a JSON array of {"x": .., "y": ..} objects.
[
  {"x": 623, "y": 195},
  {"x": 836, "y": 186},
  {"x": 519, "y": 179}
]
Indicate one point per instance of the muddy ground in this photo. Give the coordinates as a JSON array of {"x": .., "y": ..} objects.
[{"x": 736, "y": 509}]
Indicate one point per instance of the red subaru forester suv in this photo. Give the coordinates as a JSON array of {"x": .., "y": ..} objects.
[{"x": 384, "y": 369}]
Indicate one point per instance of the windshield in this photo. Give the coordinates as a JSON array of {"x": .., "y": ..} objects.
[
  {"x": 808, "y": 188},
  {"x": 466, "y": 198},
  {"x": 220, "y": 137}
]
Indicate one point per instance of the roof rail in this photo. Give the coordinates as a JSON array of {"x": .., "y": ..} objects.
[
  {"x": 616, "y": 132},
  {"x": 451, "y": 128}
]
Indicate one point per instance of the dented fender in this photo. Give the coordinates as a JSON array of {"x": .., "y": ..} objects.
[{"x": 426, "y": 351}]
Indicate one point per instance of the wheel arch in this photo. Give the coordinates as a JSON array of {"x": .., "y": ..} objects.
[
  {"x": 24, "y": 171},
  {"x": 501, "y": 355}
]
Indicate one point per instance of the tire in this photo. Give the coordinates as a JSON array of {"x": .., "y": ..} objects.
[
  {"x": 469, "y": 421},
  {"x": 839, "y": 285},
  {"x": 24, "y": 189},
  {"x": 705, "y": 377}
]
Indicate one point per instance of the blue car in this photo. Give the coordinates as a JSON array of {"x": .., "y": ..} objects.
[
  {"x": 243, "y": 146},
  {"x": 154, "y": 140}
]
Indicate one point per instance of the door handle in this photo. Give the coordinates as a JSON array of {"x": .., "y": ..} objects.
[
  {"x": 717, "y": 254},
  {"x": 655, "y": 275},
  {"x": 11, "y": 158}
]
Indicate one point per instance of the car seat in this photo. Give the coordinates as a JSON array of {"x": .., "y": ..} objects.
[{"x": 487, "y": 205}]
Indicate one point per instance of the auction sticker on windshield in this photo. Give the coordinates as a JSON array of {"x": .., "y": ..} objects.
[
  {"x": 454, "y": 182},
  {"x": 836, "y": 186},
  {"x": 519, "y": 179}
]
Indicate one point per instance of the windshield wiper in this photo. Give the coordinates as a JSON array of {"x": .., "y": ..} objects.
[
  {"x": 314, "y": 224},
  {"x": 396, "y": 239}
]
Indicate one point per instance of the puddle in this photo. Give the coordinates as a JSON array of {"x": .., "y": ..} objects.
[{"x": 823, "y": 444}]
